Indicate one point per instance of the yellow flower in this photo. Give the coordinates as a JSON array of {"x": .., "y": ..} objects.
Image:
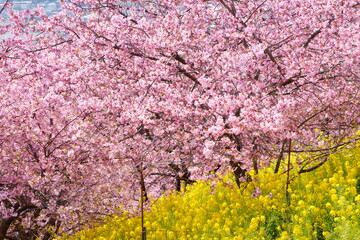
[
  {"x": 326, "y": 234},
  {"x": 334, "y": 197},
  {"x": 349, "y": 208},
  {"x": 284, "y": 235},
  {"x": 171, "y": 235},
  {"x": 297, "y": 230}
]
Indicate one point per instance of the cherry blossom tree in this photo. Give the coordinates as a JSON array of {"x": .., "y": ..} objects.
[{"x": 106, "y": 91}]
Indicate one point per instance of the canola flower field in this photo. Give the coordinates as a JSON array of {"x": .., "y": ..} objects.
[{"x": 322, "y": 204}]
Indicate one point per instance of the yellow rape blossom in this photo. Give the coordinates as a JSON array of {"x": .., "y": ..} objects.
[{"x": 325, "y": 202}]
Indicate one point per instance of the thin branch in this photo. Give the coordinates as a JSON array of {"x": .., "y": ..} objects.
[
  {"x": 233, "y": 9},
  {"x": 189, "y": 75},
  {"x": 49, "y": 152},
  {"x": 280, "y": 157},
  {"x": 142, "y": 55},
  {"x": 176, "y": 57},
  {"x": 268, "y": 52},
  {"x": 325, "y": 149},
  {"x": 312, "y": 36},
  {"x": 77, "y": 35},
  {"x": 291, "y": 80},
  {"x": 162, "y": 174},
  {"x": 63, "y": 129},
  {"x": 280, "y": 43},
  {"x": 51, "y": 46},
  {"x": 329, "y": 69},
  {"x": 126, "y": 16},
  {"x": 302, "y": 170},
  {"x": 255, "y": 11},
  {"x": 96, "y": 34},
  {"x": 4, "y": 6},
  {"x": 288, "y": 174},
  {"x": 311, "y": 117},
  {"x": 230, "y": 9},
  {"x": 147, "y": 92}
]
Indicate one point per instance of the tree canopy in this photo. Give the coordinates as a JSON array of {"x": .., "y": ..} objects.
[{"x": 105, "y": 91}]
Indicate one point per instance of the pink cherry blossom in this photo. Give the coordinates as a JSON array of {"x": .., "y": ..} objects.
[{"x": 106, "y": 91}]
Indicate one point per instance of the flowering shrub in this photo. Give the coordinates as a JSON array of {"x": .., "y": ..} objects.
[{"x": 323, "y": 204}]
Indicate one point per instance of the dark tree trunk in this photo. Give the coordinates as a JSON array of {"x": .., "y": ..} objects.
[
  {"x": 237, "y": 171},
  {"x": 4, "y": 226}
]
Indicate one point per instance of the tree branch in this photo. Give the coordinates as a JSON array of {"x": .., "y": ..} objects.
[
  {"x": 325, "y": 149},
  {"x": 187, "y": 74},
  {"x": 50, "y": 46},
  {"x": 312, "y": 36},
  {"x": 255, "y": 11},
  {"x": 280, "y": 157},
  {"x": 4, "y": 6},
  {"x": 312, "y": 116},
  {"x": 302, "y": 170},
  {"x": 231, "y": 9}
]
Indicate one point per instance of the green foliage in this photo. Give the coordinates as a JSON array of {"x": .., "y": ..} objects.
[{"x": 324, "y": 204}]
